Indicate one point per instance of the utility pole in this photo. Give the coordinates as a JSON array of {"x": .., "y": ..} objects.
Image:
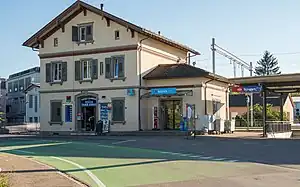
[
  {"x": 213, "y": 55},
  {"x": 248, "y": 114},
  {"x": 251, "y": 99}
]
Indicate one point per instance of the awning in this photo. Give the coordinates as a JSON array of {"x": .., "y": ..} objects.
[{"x": 178, "y": 93}]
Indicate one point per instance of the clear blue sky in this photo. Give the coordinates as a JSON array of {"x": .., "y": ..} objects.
[{"x": 240, "y": 26}]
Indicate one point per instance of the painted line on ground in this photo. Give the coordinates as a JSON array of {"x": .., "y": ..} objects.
[
  {"x": 121, "y": 142},
  {"x": 218, "y": 159},
  {"x": 27, "y": 152},
  {"x": 88, "y": 172},
  {"x": 106, "y": 146}
]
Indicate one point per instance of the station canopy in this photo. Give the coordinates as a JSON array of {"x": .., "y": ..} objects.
[{"x": 279, "y": 83}]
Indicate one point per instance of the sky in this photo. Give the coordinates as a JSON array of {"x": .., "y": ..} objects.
[{"x": 245, "y": 28}]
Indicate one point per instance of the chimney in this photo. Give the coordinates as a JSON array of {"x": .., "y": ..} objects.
[
  {"x": 158, "y": 32},
  {"x": 101, "y": 6}
]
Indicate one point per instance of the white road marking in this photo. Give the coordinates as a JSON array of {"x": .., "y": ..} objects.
[
  {"x": 27, "y": 152},
  {"x": 106, "y": 146},
  {"x": 88, "y": 172},
  {"x": 163, "y": 152},
  {"x": 125, "y": 141},
  {"x": 232, "y": 161},
  {"x": 219, "y": 159},
  {"x": 207, "y": 157},
  {"x": 194, "y": 156},
  {"x": 185, "y": 155}
]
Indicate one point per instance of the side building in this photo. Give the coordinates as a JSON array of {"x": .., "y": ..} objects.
[
  {"x": 16, "y": 101},
  {"x": 2, "y": 100}
]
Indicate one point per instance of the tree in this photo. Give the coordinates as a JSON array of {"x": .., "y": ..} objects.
[
  {"x": 272, "y": 115},
  {"x": 268, "y": 65}
]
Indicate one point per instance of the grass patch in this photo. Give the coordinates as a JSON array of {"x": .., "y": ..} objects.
[{"x": 3, "y": 181}]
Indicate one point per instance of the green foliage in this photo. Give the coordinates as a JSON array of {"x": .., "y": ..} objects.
[
  {"x": 3, "y": 181},
  {"x": 272, "y": 115},
  {"x": 268, "y": 65}
]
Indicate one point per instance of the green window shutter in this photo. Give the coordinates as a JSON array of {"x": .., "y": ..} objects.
[
  {"x": 118, "y": 110},
  {"x": 75, "y": 34},
  {"x": 78, "y": 71},
  {"x": 101, "y": 68},
  {"x": 64, "y": 71},
  {"x": 48, "y": 73},
  {"x": 108, "y": 69},
  {"x": 89, "y": 32},
  {"x": 121, "y": 72},
  {"x": 94, "y": 69}
]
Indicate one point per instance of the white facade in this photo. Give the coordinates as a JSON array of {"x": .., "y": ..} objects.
[{"x": 33, "y": 104}]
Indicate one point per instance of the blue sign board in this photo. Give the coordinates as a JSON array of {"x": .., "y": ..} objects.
[
  {"x": 130, "y": 92},
  {"x": 163, "y": 91},
  {"x": 68, "y": 113},
  {"x": 252, "y": 89},
  {"x": 104, "y": 111},
  {"x": 88, "y": 102}
]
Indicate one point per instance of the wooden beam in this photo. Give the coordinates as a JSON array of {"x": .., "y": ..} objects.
[
  {"x": 62, "y": 27},
  {"x": 84, "y": 12},
  {"x": 107, "y": 22},
  {"x": 132, "y": 33}
]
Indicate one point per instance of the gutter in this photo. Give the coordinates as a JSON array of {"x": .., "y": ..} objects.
[{"x": 140, "y": 82}]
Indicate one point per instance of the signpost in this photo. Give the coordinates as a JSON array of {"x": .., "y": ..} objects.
[{"x": 240, "y": 89}]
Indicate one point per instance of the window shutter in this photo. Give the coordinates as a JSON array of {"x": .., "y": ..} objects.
[
  {"x": 64, "y": 71},
  {"x": 108, "y": 69},
  {"x": 94, "y": 69},
  {"x": 48, "y": 73},
  {"x": 75, "y": 34},
  {"x": 89, "y": 33},
  {"x": 121, "y": 72},
  {"x": 77, "y": 70},
  {"x": 118, "y": 110},
  {"x": 101, "y": 68}
]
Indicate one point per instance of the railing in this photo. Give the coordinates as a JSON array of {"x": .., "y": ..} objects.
[
  {"x": 278, "y": 126},
  {"x": 243, "y": 123},
  {"x": 20, "y": 128}
]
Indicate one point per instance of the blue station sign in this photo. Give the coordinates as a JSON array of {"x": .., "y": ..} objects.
[
  {"x": 88, "y": 102},
  {"x": 163, "y": 91}
]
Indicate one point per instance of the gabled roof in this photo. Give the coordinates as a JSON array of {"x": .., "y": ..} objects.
[
  {"x": 181, "y": 70},
  {"x": 31, "y": 86},
  {"x": 80, "y": 6}
]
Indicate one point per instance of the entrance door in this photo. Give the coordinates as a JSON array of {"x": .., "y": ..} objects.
[
  {"x": 171, "y": 112},
  {"x": 88, "y": 113},
  {"x": 89, "y": 118}
]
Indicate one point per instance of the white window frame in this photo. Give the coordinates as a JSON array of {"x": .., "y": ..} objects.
[
  {"x": 56, "y": 70},
  {"x": 88, "y": 75},
  {"x": 81, "y": 28}
]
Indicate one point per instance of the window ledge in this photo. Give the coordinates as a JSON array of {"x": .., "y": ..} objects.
[
  {"x": 55, "y": 123},
  {"x": 56, "y": 82},
  {"x": 85, "y": 42},
  {"x": 119, "y": 78},
  {"x": 115, "y": 122},
  {"x": 86, "y": 80}
]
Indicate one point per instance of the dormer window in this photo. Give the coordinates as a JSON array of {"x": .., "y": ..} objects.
[{"x": 82, "y": 33}]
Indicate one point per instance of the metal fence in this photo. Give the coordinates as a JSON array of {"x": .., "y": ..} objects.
[
  {"x": 20, "y": 128},
  {"x": 243, "y": 123},
  {"x": 278, "y": 126}
]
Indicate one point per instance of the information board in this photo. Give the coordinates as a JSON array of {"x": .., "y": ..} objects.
[{"x": 68, "y": 113}]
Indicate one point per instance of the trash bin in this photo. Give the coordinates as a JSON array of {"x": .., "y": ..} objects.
[{"x": 99, "y": 127}]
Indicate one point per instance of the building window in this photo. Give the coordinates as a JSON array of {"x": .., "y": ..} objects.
[
  {"x": 27, "y": 82},
  {"x": 21, "y": 85},
  {"x": 55, "y": 42},
  {"x": 86, "y": 67},
  {"x": 22, "y": 104},
  {"x": 101, "y": 68},
  {"x": 118, "y": 110},
  {"x": 82, "y": 33},
  {"x": 16, "y": 85},
  {"x": 35, "y": 103},
  {"x": 10, "y": 87},
  {"x": 117, "y": 35},
  {"x": 55, "y": 111},
  {"x": 56, "y": 72},
  {"x": 36, "y": 119},
  {"x": 30, "y": 120},
  {"x": 30, "y": 102},
  {"x": 114, "y": 67}
]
